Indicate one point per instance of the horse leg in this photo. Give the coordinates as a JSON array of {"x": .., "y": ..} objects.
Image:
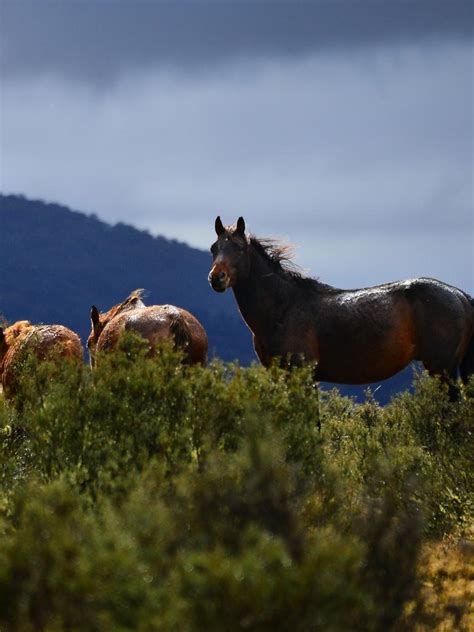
[
  {"x": 453, "y": 387},
  {"x": 442, "y": 358},
  {"x": 318, "y": 423},
  {"x": 297, "y": 361},
  {"x": 450, "y": 379},
  {"x": 466, "y": 367}
]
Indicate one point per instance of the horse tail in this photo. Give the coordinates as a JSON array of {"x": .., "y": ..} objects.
[
  {"x": 181, "y": 334},
  {"x": 466, "y": 368}
]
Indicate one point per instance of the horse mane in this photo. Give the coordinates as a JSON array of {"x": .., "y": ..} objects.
[
  {"x": 15, "y": 330},
  {"x": 136, "y": 294},
  {"x": 279, "y": 255},
  {"x": 129, "y": 303}
]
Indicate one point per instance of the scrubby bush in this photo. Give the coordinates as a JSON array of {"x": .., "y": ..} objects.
[
  {"x": 149, "y": 495},
  {"x": 63, "y": 568}
]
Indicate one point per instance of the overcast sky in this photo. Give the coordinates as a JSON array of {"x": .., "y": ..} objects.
[{"x": 345, "y": 127}]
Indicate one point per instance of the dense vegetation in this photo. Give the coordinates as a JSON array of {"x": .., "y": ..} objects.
[{"x": 152, "y": 496}]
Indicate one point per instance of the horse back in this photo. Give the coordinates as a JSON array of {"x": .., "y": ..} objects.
[
  {"x": 370, "y": 334},
  {"x": 45, "y": 342},
  {"x": 155, "y": 324}
]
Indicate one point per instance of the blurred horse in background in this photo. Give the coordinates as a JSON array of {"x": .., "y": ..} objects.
[
  {"x": 154, "y": 323},
  {"x": 45, "y": 342}
]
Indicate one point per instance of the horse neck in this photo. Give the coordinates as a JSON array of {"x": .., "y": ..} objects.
[{"x": 262, "y": 296}]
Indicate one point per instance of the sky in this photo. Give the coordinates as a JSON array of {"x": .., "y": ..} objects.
[{"x": 342, "y": 126}]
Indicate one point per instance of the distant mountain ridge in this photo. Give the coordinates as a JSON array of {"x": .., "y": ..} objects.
[{"x": 55, "y": 263}]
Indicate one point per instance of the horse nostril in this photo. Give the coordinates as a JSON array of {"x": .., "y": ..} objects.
[{"x": 218, "y": 280}]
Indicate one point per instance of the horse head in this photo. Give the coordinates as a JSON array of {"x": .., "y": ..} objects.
[{"x": 230, "y": 255}]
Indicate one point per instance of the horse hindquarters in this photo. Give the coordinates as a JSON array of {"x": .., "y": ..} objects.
[
  {"x": 189, "y": 336},
  {"x": 466, "y": 368}
]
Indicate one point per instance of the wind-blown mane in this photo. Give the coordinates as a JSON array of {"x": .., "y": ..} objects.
[
  {"x": 279, "y": 255},
  {"x": 131, "y": 302}
]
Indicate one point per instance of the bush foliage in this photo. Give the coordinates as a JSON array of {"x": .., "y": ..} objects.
[{"x": 152, "y": 496}]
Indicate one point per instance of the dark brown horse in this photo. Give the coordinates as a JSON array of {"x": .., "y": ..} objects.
[
  {"x": 154, "y": 323},
  {"x": 46, "y": 342},
  {"x": 355, "y": 336}
]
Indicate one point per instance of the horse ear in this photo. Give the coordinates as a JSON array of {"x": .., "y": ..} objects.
[
  {"x": 240, "y": 226},
  {"x": 219, "y": 226},
  {"x": 95, "y": 318}
]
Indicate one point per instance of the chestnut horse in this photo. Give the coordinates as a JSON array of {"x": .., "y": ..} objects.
[
  {"x": 154, "y": 323},
  {"x": 355, "y": 336},
  {"x": 46, "y": 342}
]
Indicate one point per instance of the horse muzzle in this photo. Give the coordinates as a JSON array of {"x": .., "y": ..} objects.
[{"x": 219, "y": 280}]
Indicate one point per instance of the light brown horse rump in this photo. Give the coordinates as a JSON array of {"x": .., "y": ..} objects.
[{"x": 154, "y": 323}]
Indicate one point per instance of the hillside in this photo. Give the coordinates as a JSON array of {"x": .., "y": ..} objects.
[{"x": 56, "y": 263}]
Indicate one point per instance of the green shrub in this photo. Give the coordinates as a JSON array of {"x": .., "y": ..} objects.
[
  {"x": 62, "y": 568},
  {"x": 148, "y": 495}
]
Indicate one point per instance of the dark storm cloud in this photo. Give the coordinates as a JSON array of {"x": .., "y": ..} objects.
[
  {"x": 364, "y": 160},
  {"x": 99, "y": 41},
  {"x": 345, "y": 127}
]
